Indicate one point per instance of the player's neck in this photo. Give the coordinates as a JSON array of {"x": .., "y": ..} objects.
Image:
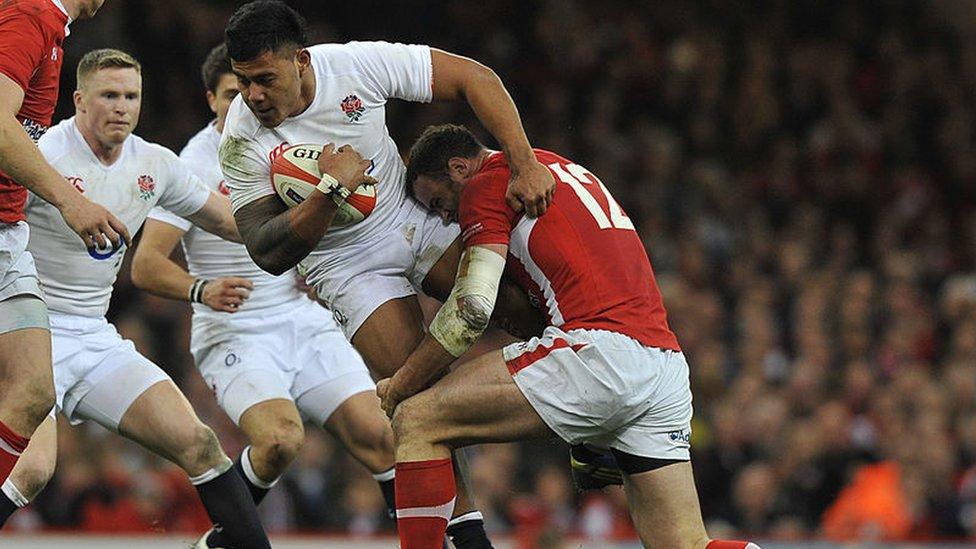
[
  {"x": 72, "y": 7},
  {"x": 479, "y": 160},
  {"x": 106, "y": 154}
]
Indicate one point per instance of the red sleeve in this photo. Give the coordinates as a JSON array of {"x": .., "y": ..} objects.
[
  {"x": 23, "y": 43},
  {"x": 483, "y": 214}
]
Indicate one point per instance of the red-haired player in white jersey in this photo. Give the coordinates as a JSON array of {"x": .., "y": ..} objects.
[
  {"x": 607, "y": 370},
  {"x": 31, "y": 36}
]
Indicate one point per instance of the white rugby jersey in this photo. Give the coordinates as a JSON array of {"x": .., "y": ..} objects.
[
  {"x": 77, "y": 281},
  {"x": 209, "y": 256},
  {"x": 352, "y": 85}
]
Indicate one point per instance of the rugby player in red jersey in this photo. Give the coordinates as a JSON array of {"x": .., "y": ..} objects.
[{"x": 607, "y": 370}]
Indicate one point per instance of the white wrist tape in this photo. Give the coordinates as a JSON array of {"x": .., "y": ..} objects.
[
  {"x": 330, "y": 186},
  {"x": 465, "y": 315}
]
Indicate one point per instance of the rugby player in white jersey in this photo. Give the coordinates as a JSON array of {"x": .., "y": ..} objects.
[
  {"x": 271, "y": 355},
  {"x": 367, "y": 273},
  {"x": 98, "y": 375}
]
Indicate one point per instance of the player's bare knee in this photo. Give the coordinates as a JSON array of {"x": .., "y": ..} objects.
[
  {"x": 374, "y": 446},
  {"x": 200, "y": 450},
  {"x": 410, "y": 418},
  {"x": 282, "y": 443}
]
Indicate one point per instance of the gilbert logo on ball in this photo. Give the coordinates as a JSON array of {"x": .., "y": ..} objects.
[{"x": 295, "y": 173}]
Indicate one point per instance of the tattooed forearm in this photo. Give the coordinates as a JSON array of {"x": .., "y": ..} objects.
[{"x": 277, "y": 237}]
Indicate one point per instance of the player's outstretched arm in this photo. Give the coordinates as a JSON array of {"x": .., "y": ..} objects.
[
  {"x": 455, "y": 77},
  {"x": 22, "y": 161},
  {"x": 459, "y": 323},
  {"x": 154, "y": 271},
  {"x": 216, "y": 217},
  {"x": 278, "y": 237}
]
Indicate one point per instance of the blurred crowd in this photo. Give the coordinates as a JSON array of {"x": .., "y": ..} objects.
[{"x": 804, "y": 176}]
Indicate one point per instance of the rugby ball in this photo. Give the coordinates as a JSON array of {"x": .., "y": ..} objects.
[{"x": 295, "y": 173}]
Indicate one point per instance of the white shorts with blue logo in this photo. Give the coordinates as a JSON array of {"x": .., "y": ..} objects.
[
  {"x": 607, "y": 390},
  {"x": 294, "y": 351}
]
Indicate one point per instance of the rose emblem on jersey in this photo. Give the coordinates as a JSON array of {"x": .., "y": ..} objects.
[
  {"x": 222, "y": 188},
  {"x": 353, "y": 107},
  {"x": 147, "y": 187}
]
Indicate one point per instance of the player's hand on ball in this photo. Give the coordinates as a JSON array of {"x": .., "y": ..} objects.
[
  {"x": 227, "y": 294},
  {"x": 346, "y": 165},
  {"x": 530, "y": 188}
]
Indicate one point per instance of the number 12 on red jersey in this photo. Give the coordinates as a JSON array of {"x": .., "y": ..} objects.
[{"x": 579, "y": 179}]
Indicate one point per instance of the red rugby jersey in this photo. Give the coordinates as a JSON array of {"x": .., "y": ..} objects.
[
  {"x": 582, "y": 262},
  {"x": 31, "y": 36}
]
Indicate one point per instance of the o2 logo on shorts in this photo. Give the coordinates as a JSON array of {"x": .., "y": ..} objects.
[
  {"x": 231, "y": 359},
  {"x": 339, "y": 317},
  {"x": 680, "y": 437},
  {"x": 102, "y": 254}
]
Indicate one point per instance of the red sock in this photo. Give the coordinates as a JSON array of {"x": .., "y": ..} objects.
[
  {"x": 11, "y": 445},
  {"x": 722, "y": 544},
  {"x": 424, "y": 500}
]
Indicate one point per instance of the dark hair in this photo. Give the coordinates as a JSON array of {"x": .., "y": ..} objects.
[
  {"x": 263, "y": 26},
  {"x": 215, "y": 66},
  {"x": 438, "y": 144}
]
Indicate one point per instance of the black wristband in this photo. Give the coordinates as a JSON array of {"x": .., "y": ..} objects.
[{"x": 196, "y": 290}]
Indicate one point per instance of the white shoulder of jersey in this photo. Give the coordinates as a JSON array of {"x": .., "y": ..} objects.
[{"x": 403, "y": 71}]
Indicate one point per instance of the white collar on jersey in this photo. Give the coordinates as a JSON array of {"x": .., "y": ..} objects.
[{"x": 61, "y": 7}]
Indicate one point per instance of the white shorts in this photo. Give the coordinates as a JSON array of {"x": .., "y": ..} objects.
[
  {"x": 293, "y": 352},
  {"x": 18, "y": 276},
  {"x": 355, "y": 280},
  {"x": 607, "y": 390},
  {"x": 97, "y": 374}
]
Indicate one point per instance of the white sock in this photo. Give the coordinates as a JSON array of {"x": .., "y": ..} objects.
[
  {"x": 470, "y": 515},
  {"x": 385, "y": 475},
  {"x": 207, "y": 476},
  {"x": 13, "y": 494},
  {"x": 253, "y": 477}
]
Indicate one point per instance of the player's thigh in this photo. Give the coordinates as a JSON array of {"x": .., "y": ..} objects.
[
  {"x": 162, "y": 420},
  {"x": 478, "y": 402},
  {"x": 359, "y": 421},
  {"x": 390, "y": 334},
  {"x": 26, "y": 376},
  {"x": 664, "y": 506}
]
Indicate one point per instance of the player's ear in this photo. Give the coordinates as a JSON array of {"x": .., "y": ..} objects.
[
  {"x": 212, "y": 101},
  {"x": 303, "y": 59},
  {"x": 458, "y": 168},
  {"x": 77, "y": 99}
]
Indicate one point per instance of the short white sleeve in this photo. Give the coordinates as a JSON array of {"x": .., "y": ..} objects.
[
  {"x": 398, "y": 70},
  {"x": 184, "y": 194},
  {"x": 248, "y": 175},
  {"x": 161, "y": 214}
]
